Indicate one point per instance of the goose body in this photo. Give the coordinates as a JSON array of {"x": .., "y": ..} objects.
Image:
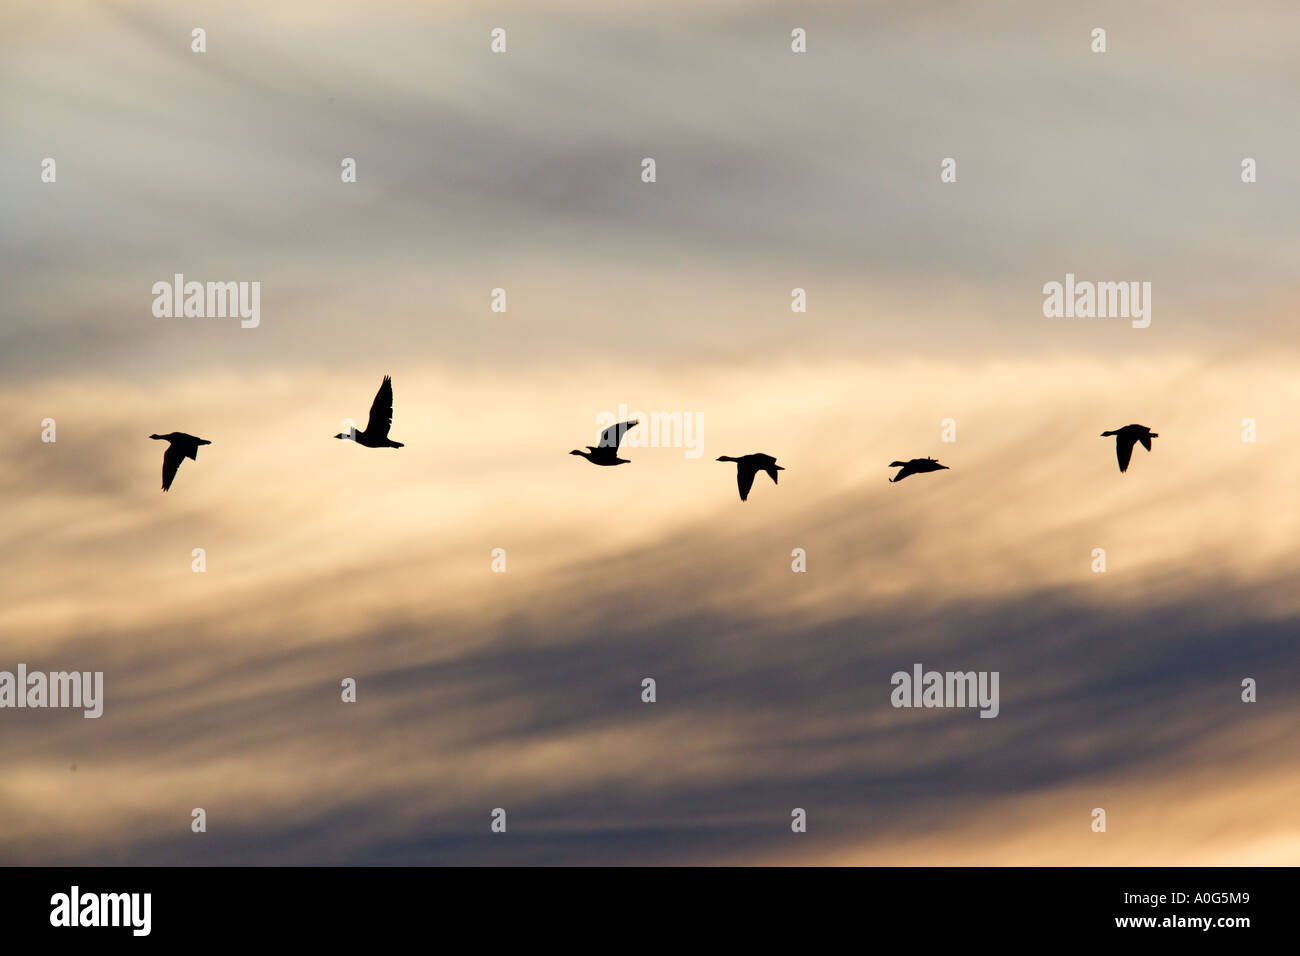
[
  {"x": 1126, "y": 438},
  {"x": 180, "y": 446},
  {"x": 747, "y": 466}
]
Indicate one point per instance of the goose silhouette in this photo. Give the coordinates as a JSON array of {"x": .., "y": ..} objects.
[
  {"x": 181, "y": 446},
  {"x": 606, "y": 453},
  {"x": 747, "y": 466},
  {"x": 375, "y": 434},
  {"x": 915, "y": 466},
  {"x": 1126, "y": 438}
]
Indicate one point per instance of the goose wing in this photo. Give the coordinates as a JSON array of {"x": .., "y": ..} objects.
[
  {"x": 745, "y": 473},
  {"x": 381, "y": 410},
  {"x": 1124, "y": 449},
  {"x": 1145, "y": 439},
  {"x": 771, "y": 469},
  {"x": 172, "y": 459},
  {"x": 612, "y": 435}
]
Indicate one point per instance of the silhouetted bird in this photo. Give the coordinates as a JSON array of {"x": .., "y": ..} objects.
[
  {"x": 747, "y": 466},
  {"x": 1126, "y": 438},
  {"x": 381, "y": 419},
  {"x": 916, "y": 466},
  {"x": 182, "y": 446},
  {"x": 606, "y": 453}
]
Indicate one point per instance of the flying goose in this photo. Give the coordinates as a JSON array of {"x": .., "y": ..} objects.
[
  {"x": 381, "y": 419},
  {"x": 747, "y": 466},
  {"x": 1126, "y": 438},
  {"x": 606, "y": 453},
  {"x": 181, "y": 446},
  {"x": 916, "y": 466}
]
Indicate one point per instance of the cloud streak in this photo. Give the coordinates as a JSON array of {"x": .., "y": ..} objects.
[{"x": 521, "y": 690}]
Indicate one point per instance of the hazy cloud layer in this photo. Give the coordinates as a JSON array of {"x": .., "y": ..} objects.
[
  {"x": 521, "y": 690},
  {"x": 522, "y": 170}
]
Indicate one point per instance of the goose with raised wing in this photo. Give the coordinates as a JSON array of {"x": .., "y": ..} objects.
[
  {"x": 375, "y": 434},
  {"x": 606, "y": 453}
]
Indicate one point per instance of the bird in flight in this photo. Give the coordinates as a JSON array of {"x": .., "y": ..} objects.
[
  {"x": 747, "y": 466},
  {"x": 1126, "y": 438},
  {"x": 606, "y": 453},
  {"x": 916, "y": 466},
  {"x": 381, "y": 419},
  {"x": 181, "y": 446}
]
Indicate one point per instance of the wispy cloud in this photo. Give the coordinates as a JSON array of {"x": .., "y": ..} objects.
[{"x": 521, "y": 689}]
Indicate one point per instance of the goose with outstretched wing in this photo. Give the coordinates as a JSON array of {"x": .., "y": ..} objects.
[
  {"x": 606, "y": 453},
  {"x": 915, "y": 466}
]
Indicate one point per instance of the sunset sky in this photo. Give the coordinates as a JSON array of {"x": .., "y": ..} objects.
[{"x": 522, "y": 690}]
